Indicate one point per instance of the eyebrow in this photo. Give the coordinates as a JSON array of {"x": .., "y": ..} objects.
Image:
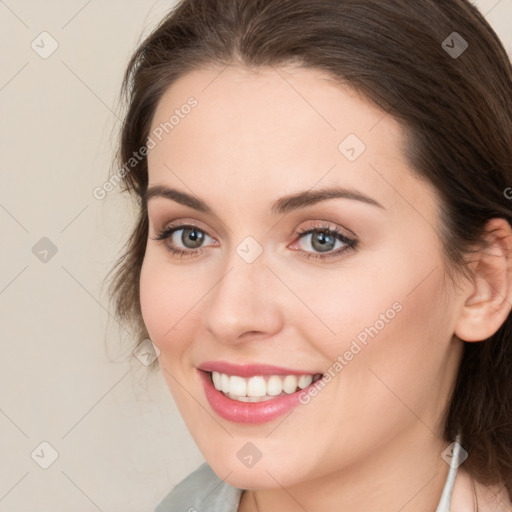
[{"x": 282, "y": 206}]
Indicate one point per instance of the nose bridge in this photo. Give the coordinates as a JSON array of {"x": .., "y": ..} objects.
[{"x": 242, "y": 299}]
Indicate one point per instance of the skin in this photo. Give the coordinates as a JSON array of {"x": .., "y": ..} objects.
[{"x": 372, "y": 439}]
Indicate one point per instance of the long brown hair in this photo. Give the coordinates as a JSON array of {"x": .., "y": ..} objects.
[{"x": 455, "y": 107}]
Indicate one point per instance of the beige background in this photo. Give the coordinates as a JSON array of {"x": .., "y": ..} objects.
[{"x": 121, "y": 446}]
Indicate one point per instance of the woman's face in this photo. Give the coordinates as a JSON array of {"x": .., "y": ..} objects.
[{"x": 256, "y": 286}]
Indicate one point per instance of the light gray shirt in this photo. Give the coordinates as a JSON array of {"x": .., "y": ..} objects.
[{"x": 203, "y": 491}]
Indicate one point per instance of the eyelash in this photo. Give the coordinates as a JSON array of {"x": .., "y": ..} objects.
[{"x": 350, "y": 243}]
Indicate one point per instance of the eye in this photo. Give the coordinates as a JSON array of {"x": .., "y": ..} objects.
[
  {"x": 184, "y": 240},
  {"x": 188, "y": 240},
  {"x": 324, "y": 240}
]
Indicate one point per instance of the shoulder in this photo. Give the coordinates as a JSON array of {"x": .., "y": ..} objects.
[
  {"x": 490, "y": 498},
  {"x": 201, "y": 490}
]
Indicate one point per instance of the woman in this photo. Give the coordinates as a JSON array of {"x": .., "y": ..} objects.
[{"x": 323, "y": 252}]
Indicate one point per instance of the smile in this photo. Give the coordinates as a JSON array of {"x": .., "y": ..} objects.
[
  {"x": 260, "y": 388},
  {"x": 253, "y": 394}
]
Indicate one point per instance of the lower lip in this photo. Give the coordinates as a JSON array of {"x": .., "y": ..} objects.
[{"x": 248, "y": 412}]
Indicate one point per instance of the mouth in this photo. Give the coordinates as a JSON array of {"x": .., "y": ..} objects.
[
  {"x": 260, "y": 388},
  {"x": 263, "y": 394}
]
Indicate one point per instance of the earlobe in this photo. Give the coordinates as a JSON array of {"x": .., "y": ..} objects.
[{"x": 489, "y": 301}]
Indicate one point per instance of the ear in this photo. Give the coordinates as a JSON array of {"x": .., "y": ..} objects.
[{"x": 489, "y": 295}]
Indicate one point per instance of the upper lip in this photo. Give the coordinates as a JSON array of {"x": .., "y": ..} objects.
[{"x": 250, "y": 370}]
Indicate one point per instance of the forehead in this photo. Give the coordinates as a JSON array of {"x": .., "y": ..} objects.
[
  {"x": 238, "y": 104},
  {"x": 269, "y": 128}
]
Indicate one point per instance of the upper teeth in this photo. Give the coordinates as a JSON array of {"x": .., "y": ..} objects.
[{"x": 259, "y": 386}]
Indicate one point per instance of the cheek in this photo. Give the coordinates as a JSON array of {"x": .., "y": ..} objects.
[
  {"x": 387, "y": 318},
  {"x": 389, "y": 295},
  {"x": 350, "y": 302},
  {"x": 152, "y": 300},
  {"x": 402, "y": 362},
  {"x": 167, "y": 303}
]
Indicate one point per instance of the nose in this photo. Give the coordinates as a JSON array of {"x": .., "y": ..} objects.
[{"x": 243, "y": 303}]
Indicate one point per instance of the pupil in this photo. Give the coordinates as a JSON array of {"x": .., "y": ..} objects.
[
  {"x": 191, "y": 234},
  {"x": 326, "y": 242}
]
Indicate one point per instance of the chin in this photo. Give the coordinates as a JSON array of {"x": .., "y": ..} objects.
[{"x": 269, "y": 475}]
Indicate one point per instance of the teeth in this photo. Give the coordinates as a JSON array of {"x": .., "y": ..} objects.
[
  {"x": 274, "y": 386},
  {"x": 260, "y": 388},
  {"x": 250, "y": 398},
  {"x": 224, "y": 382},
  {"x": 290, "y": 384},
  {"x": 305, "y": 381},
  {"x": 237, "y": 386},
  {"x": 256, "y": 387},
  {"x": 217, "y": 381}
]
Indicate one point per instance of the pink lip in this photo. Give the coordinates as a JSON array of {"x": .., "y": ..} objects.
[
  {"x": 250, "y": 370},
  {"x": 248, "y": 412}
]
